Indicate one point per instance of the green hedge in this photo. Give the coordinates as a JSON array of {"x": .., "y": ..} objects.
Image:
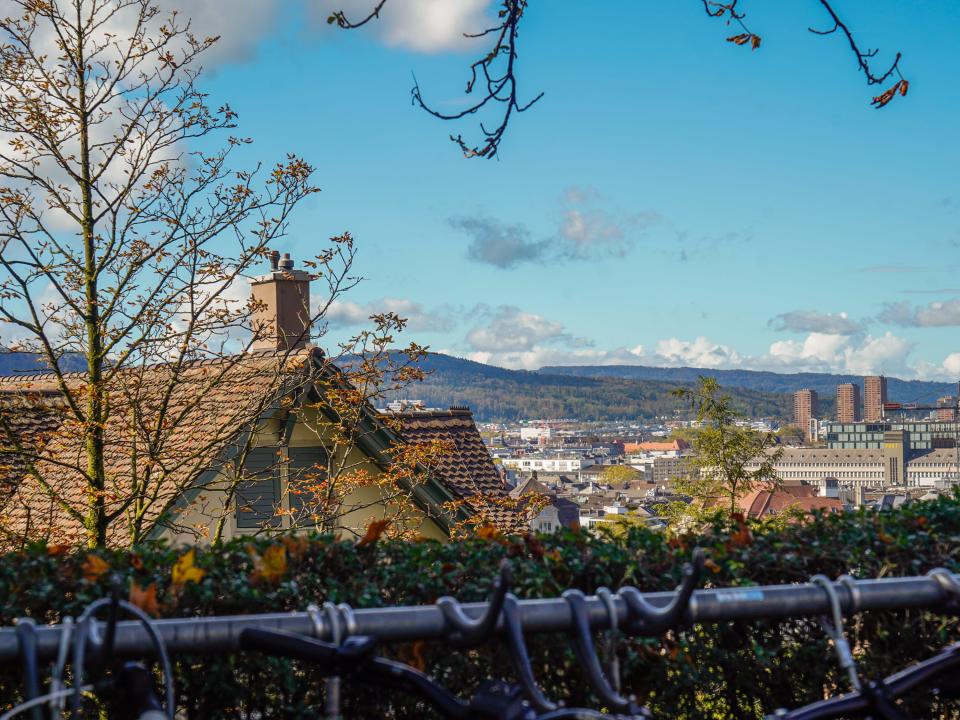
[{"x": 727, "y": 670}]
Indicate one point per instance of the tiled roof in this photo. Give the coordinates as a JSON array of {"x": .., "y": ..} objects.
[
  {"x": 673, "y": 445},
  {"x": 529, "y": 485},
  {"x": 466, "y": 467},
  {"x": 939, "y": 456},
  {"x": 828, "y": 455},
  {"x": 207, "y": 405},
  {"x": 27, "y": 421},
  {"x": 798, "y": 497}
]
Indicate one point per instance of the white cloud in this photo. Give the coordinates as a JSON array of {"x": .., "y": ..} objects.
[
  {"x": 510, "y": 330},
  {"x": 241, "y": 24},
  {"x": 516, "y": 339},
  {"x": 586, "y": 230},
  {"x": 700, "y": 352},
  {"x": 816, "y": 322},
  {"x": 346, "y": 313},
  {"x": 952, "y": 365},
  {"x": 425, "y": 26},
  {"x": 944, "y": 313}
]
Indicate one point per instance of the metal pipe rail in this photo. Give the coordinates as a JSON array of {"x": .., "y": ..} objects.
[{"x": 426, "y": 622}]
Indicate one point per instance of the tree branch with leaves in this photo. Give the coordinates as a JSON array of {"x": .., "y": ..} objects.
[{"x": 495, "y": 72}]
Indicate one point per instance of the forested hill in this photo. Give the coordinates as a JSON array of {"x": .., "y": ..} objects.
[
  {"x": 495, "y": 393},
  {"x": 13, "y": 362},
  {"x": 824, "y": 383}
]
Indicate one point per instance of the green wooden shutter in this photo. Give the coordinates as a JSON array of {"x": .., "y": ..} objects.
[{"x": 259, "y": 492}]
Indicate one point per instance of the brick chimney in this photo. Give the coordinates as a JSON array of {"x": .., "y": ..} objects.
[{"x": 282, "y": 320}]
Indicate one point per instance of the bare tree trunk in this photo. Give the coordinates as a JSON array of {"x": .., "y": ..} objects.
[{"x": 95, "y": 520}]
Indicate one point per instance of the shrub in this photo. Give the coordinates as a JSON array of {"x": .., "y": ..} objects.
[{"x": 736, "y": 669}]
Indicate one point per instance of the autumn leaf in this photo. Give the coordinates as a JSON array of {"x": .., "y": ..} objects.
[
  {"x": 487, "y": 532},
  {"x": 296, "y": 546},
  {"x": 145, "y": 598},
  {"x": 904, "y": 86},
  {"x": 742, "y": 537},
  {"x": 136, "y": 562},
  {"x": 271, "y": 566},
  {"x": 711, "y": 565},
  {"x": 880, "y": 100},
  {"x": 185, "y": 571},
  {"x": 374, "y": 530},
  {"x": 94, "y": 567},
  {"x": 57, "y": 550},
  {"x": 884, "y": 537},
  {"x": 744, "y": 38},
  {"x": 418, "y": 658}
]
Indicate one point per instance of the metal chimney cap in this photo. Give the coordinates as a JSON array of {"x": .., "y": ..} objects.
[{"x": 286, "y": 263}]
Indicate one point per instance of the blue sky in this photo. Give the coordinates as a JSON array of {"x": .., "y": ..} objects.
[{"x": 673, "y": 199}]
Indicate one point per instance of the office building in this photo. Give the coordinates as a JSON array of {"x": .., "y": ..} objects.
[
  {"x": 920, "y": 435},
  {"x": 848, "y": 403},
  {"x": 879, "y": 468},
  {"x": 874, "y": 396}
]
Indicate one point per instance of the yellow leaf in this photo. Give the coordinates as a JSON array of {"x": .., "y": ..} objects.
[
  {"x": 271, "y": 566},
  {"x": 145, "y": 598},
  {"x": 94, "y": 567},
  {"x": 185, "y": 571},
  {"x": 374, "y": 530}
]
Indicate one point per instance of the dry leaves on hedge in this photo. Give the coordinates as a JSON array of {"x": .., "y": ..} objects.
[
  {"x": 94, "y": 567},
  {"x": 145, "y": 598},
  {"x": 184, "y": 569},
  {"x": 374, "y": 531},
  {"x": 269, "y": 567}
]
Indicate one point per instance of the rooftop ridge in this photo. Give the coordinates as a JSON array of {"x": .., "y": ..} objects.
[{"x": 50, "y": 375}]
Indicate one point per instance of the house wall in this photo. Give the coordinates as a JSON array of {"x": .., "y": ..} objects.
[
  {"x": 547, "y": 521},
  {"x": 200, "y": 512}
]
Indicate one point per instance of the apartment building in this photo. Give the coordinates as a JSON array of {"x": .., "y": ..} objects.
[
  {"x": 805, "y": 409},
  {"x": 874, "y": 396},
  {"x": 946, "y": 408},
  {"x": 848, "y": 403}
]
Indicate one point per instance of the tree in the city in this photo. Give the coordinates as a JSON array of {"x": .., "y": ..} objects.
[
  {"x": 729, "y": 461},
  {"x": 618, "y": 474}
]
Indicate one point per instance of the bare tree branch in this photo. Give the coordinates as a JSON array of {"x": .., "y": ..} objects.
[{"x": 495, "y": 72}]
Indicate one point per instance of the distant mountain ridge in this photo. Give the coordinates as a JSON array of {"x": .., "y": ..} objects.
[
  {"x": 824, "y": 383},
  {"x": 498, "y": 394},
  {"x": 15, "y": 362}
]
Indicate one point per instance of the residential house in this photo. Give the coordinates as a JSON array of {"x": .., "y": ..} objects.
[
  {"x": 557, "y": 511},
  {"x": 239, "y": 435}
]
